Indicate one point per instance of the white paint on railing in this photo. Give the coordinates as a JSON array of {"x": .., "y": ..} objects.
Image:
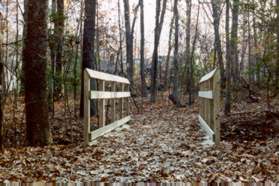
[
  {"x": 206, "y": 94},
  {"x": 206, "y": 128},
  {"x": 109, "y": 95},
  {"x": 101, "y": 131},
  {"x": 208, "y": 76},
  {"x": 106, "y": 77}
]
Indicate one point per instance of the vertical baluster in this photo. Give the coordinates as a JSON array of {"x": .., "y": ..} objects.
[
  {"x": 86, "y": 107},
  {"x": 122, "y": 102},
  {"x": 114, "y": 116},
  {"x": 102, "y": 106}
]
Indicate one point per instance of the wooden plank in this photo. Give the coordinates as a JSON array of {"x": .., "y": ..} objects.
[
  {"x": 106, "y": 77},
  {"x": 86, "y": 108},
  {"x": 205, "y": 127},
  {"x": 102, "y": 106},
  {"x": 122, "y": 102},
  {"x": 216, "y": 109},
  {"x": 109, "y": 95},
  {"x": 100, "y": 132},
  {"x": 208, "y": 76},
  {"x": 206, "y": 94},
  {"x": 114, "y": 116},
  {"x": 127, "y": 102}
]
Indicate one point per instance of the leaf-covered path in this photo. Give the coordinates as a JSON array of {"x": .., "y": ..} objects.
[{"x": 161, "y": 144}]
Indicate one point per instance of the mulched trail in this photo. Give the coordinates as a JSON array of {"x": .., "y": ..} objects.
[{"x": 162, "y": 144}]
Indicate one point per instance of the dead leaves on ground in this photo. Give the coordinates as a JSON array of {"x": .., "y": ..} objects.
[{"x": 162, "y": 144}]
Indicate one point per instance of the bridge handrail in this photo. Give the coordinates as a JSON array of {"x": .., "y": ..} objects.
[
  {"x": 209, "y": 104},
  {"x": 103, "y": 96}
]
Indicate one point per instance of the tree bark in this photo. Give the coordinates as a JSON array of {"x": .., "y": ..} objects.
[
  {"x": 216, "y": 8},
  {"x": 34, "y": 67},
  {"x": 175, "y": 93},
  {"x": 120, "y": 39},
  {"x": 234, "y": 42},
  {"x": 88, "y": 60},
  {"x": 277, "y": 41},
  {"x": 159, "y": 20},
  {"x": 191, "y": 97},
  {"x": 228, "y": 61},
  {"x": 170, "y": 46},
  {"x": 188, "y": 51},
  {"x": 129, "y": 42},
  {"x": 142, "y": 45},
  {"x": 2, "y": 83},
  {"x": 59, "y": 39}
]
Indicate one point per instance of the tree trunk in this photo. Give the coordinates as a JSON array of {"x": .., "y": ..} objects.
[
  {"x": 250, "y": 66},
  {"x": 88, "y": 60},
  {"x": 228, "y": 61},
  {"x": 166, "y": 81},
  {"x": 34, "y": 67},
  {"x": 120, "y": 39},
  {"x": 216, "y": 8},
  {"x": 59, "y": 39},
  {"x": 256, "y": 53},
  {"x": 191, "y": 97},
  {"x": 159, "y": 20},
  {"x": 175, "y": 93},
  {"x": 188, "y": 50},
  {"x": 2, "y": 83},
  {"x": 234, "y": 42},
  {"x": 277, "y": 40},
  {"x": 129, "y": 43},
  {"x": 142, "y": 57},
  {"x": 78, "y": 39},
  {"x": 52, "y": 46}
]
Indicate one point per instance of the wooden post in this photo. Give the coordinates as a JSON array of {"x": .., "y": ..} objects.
[
  {"x": 114, "y": 115},
  {"x": 210, "y": 104},
  {"x": 86, "y": 107},
  {"x": 216, "y": 110},
  {"x": 102, "y": 106},
  {"x": 127, "y": 102},
  {"x": 122, "y": 108}
]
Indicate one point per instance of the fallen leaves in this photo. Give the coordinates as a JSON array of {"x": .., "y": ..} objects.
[{"x": 162, "y": 144}]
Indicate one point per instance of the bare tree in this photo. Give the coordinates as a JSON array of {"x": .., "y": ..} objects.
[
  {"x": 234, "y": 42},
  {"x": 34, "y": 67},
  {"x": 216, "y": 10},
  {"x": 130, "y": 39},
  {"x": 78, "y": 38},
  {"x": 189, "y": 65},
  {"x": 120, "y": 39},
  {"x": 142, "y": 58},
  {"x": 277, "y": 45},
  {"x": 59, "y": 40},
  {"x": 159, "y": 20},
  {"x": 88, "y": 60},
  {"x": 228, "y": 61},
  {"x": 170, "y": 46},
  {"x": 2, "y": 83},
  {"x": 196, "y": 36},
  {"x": 175, "y": 93}
]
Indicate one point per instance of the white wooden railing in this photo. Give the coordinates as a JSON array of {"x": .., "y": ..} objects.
[
  {"x": 117, "y": 97},
  {"x": 209, "y": 105}
]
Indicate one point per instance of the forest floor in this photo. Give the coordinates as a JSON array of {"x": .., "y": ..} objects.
[{"x": 161, "y": 144}]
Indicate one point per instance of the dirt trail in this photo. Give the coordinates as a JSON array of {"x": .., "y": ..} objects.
[{"x": 162, "y": 144}]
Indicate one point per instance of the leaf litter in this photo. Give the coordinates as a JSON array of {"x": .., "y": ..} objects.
[{"x": 162, "y": 144}]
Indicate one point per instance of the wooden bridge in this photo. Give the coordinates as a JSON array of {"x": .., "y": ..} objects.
[
  {"x": 114, "y": 91},
  {"x": 110, "y": 89}
]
